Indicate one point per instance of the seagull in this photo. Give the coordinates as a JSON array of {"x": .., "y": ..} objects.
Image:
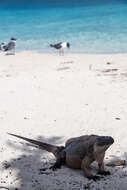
[
  {"x": 10, "y": 47},
  {"x": 61, "y": 46}
]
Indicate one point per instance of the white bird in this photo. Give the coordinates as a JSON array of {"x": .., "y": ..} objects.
[
  {"x": 61, "y": 46},
  {"x": 10, "y": 47}
]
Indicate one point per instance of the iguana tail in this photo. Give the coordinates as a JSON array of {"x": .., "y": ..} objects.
[{"x": 44, "y": 146}]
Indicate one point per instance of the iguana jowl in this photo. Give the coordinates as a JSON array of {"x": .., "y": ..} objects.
[{"x": 79, "y": 152}]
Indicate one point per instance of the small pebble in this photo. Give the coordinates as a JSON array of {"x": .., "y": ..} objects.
[{"x": 117, "y": 118}]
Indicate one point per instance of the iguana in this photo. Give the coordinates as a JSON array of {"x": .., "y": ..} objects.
[{"x": 78, "y": 152}]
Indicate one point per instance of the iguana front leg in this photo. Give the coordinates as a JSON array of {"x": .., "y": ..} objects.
[
  {"x": 100, "y": 160},
  {"x": 101, "y": 170},
  {"x": 85, "y": 167}
]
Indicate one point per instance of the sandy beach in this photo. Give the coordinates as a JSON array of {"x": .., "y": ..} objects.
[{"x": 52, "y": 98}]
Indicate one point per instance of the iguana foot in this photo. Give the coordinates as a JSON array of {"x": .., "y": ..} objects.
[
  {"x": 104, "y": 172},
  {"x": 55, "y": 166},
  {"x": 94, "y": 177}
]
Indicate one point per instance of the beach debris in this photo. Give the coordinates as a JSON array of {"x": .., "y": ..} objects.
[
  {"x": 90, "y": 147},
  {"x": 114, "y": 70},
  {"x": 43, "y": 169},
  {"x": 117, "y": 118},
  {"x": 45, "y": 173},
  {"x": 26, "y": 118},
  {"x": 63, "y": 68},
  {"x": 109, "y": 70},
  {"x": 116, "y": 163},
  {"x": 108, "y": 63},
  {"x": 106, "y": 70},
  {"x": 123, "y": 74},
  {"x": 8, "y": 75},
  {"x": 67, "y": 62}
]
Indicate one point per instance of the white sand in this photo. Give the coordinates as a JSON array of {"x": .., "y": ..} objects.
[{"x": 51, "y": 98}]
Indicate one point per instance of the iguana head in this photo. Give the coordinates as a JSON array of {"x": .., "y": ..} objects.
[
  {"x": 102, "y": 143},
  {"x": 104, "y": 140}
]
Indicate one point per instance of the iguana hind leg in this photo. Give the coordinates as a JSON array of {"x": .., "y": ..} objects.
[{"x": 61, "y": 159}]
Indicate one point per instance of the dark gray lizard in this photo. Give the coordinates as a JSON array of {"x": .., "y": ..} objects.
[{"x": 78, "y": 152}]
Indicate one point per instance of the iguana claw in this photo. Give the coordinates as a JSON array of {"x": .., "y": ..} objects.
[
  {"x": 104, "y": 172},
  {"x": 54, "y": 167},
  {"x": 94, "y": 177}
]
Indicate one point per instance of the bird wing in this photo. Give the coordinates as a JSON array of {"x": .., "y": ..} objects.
[
  {"x": 58, "y": 46},
  {"x": 9, "y": 46}
]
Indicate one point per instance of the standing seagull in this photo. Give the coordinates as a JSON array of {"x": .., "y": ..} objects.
[
  {"x": 10, "y": 47},
  {"x": 61, "y": 46}
]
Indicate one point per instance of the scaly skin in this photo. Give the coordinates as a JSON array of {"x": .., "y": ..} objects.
[{"x": 79, "y": 152}]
